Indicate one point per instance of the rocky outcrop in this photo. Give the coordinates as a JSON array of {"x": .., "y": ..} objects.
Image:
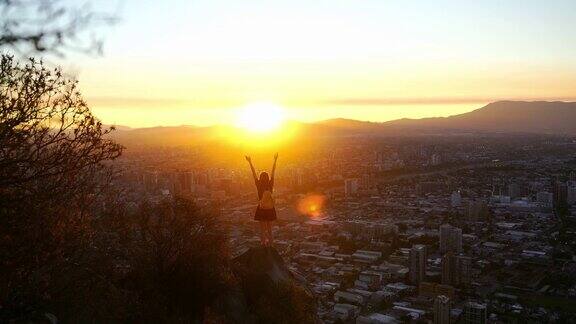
[{"x": 267, "y": 291}]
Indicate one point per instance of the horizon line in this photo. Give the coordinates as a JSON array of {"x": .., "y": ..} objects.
[{"x": 563, "y": 100}]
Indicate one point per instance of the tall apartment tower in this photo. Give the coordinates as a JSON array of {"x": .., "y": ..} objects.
[
  {"x": 475, "y": 313},
  {"x": 477, "y": 211},
  {"x": 456, "y": 199},
  {"x": 442, "y": 310},
  {"x": 560, "y": 192},
  {"x": 456, "y": 270},
  {"x": 418, "y": 260},
  {"x": 571, "y": 195},
  {"x": 350, "y": 187},
  {"x": 450, "y": 239},
  {"x": 448, "y": 268}
]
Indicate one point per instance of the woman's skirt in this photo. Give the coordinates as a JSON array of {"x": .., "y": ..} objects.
[{"x": 265, "y": 214}]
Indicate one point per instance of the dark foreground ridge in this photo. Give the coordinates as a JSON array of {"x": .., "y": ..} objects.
[{"x": 267, "y": 291}]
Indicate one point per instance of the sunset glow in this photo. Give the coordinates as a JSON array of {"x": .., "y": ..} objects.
[
  {"x": 203, "y": 59},
  {"x": 260, "y": 117}
]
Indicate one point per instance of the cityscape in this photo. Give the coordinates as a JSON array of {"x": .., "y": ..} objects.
[
  {"x": 287, "y": 162},
  {"x": 465, "y": 229}
]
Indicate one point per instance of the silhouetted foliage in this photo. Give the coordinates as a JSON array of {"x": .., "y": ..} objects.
[
  {"x": 180, "y": 261},
  {"x": 164, "y": 262},
  {"x": 47, "y": 132},
  {"x": 50, "y": 26},
  {"x": 52, "y": 169}
]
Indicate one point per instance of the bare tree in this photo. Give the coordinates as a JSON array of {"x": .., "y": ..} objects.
[
  {"x": 53, "y": 155},
  {"x": 51, "y": 26},
  {"x": 47, "y": 131},
  {"x": 181, "y": 256}
]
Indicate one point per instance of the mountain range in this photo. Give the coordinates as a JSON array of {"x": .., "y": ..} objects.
[{"x": 535, "y": 117}]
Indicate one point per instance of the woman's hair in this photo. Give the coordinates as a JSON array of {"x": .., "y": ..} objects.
[{"x": 264, "y": 180}]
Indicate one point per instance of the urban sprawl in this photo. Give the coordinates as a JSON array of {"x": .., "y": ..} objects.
[{"x": 447, "y": 229}]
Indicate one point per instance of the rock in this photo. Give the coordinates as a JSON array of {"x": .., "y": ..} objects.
[
  {"x": 270, "y": 290},
  {"x": 263, "y": 262}
]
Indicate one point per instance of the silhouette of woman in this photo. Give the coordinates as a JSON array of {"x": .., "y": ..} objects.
[{"x": 265, "y": 212}]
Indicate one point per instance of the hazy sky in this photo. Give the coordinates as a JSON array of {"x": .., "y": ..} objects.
[{"x": 193, "y": 62}]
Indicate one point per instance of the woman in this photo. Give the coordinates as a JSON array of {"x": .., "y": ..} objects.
[{"x": 265, "y": 212}]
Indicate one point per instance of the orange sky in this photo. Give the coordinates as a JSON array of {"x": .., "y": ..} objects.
[{"x": 197, "y": 62}]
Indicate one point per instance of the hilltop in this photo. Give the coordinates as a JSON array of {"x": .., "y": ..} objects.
[{"x": 540, "y": 117}]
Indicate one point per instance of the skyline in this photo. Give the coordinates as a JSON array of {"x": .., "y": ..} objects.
[{"x": 180, "y": 63}]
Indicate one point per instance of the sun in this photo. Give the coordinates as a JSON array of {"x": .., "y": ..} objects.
[{"x": 260, "y": 117}]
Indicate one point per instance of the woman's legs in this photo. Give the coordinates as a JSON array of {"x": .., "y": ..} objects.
[
  {"x": 263, "y": 233},
  {"x": 266, "y": 238},
  {"x": 269, "y": 232}
]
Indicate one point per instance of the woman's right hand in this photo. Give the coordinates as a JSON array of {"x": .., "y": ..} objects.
[{"x": 248, "y": 158}]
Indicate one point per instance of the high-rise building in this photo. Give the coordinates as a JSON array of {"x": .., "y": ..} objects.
[
  {"x": 571, "y": 195},
  {"x": 370, "y": 230},
  {"x": 560, "y": 194},
  {"x": 464, "y": 271},
  {"x": 477, "y": 211},
  {"x": 545, "y": 198},
  {"x": 442, "y": 310},
  {"x": 435, "y": 159},
  {"x": 456, "y": 199},
  {"x": 448, "y": 268},
  {"x": 150, "y": 180},
  {"x": 418, "y": 260},
  {"x": 367, "y": 181},
  {"x": 350, "y": 187},
  {"x": 475, "y": 313},
  {"x": 185, "y": 182},
  {"x": 450, "y": 239},
  {"x": 514, "y": 191},
  {"x": 456, "y": 270}
]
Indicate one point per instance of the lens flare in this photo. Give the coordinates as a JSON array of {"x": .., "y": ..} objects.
[{"x": 312, "y": 205}]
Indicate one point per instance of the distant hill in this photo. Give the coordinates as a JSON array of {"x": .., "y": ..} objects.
[
  {"x": 162, "y": 136},
  {"x": 344, "y": 123},
  {"x": 504, "y": 117},
  {"x": 537, "y": 117}
]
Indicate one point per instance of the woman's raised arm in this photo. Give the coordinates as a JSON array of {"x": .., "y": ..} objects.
[
  {"x": 274, "y": 166},
  {"x": 252, "y": 168}
]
